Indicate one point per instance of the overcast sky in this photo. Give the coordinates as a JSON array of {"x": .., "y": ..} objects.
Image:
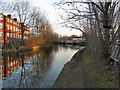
[{"x": 47, "y": 6}]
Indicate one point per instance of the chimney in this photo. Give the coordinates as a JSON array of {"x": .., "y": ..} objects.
[
  {"x": 15, "y": 19},
  {"x": 22, "y": 24},
  {"x": 9, "y": 15}
]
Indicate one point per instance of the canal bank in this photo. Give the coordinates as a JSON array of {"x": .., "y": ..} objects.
[
  {"x": 84, "y": 71},
  {"x": 71, "y": 75},
  {"x": 25, "y": 49}
]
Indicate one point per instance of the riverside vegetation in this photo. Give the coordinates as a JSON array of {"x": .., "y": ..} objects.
[
  {"x": 85, "y": 71},
  {"x": 98, "y": 74}
]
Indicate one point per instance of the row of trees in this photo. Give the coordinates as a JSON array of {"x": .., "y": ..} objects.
[
  {"x": 68, "y": 37},
  {"x": 40, "y": 28},
  {"x": 98, "y": 21}
]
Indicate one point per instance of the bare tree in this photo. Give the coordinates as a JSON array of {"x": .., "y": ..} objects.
[
  {"x": 22, "y": 10},
  {"x": 38, "y": 21},
  {"x": 97, "y": 20},
  {"x": 6, "y": 7}
]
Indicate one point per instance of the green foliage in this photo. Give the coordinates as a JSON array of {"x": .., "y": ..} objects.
[{"x": 97, "y": 74}]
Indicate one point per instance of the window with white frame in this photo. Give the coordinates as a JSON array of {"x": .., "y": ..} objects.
[
  {"x": 13, "y": 35},
  {"x": 11, "y": 27},
  {"x": 1, "y": 25},
  {"x": 8, "y": 27},
  {"x": 14, "y": 22},
  {"x": 1, "y": 17},
  {"x": 7, "y": 34},
  {"x": 7, "y": 41},
  {"x": 8, "y": 19}
]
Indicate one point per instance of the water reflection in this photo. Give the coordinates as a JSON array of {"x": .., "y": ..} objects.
[{"x": 35, "y": 69}]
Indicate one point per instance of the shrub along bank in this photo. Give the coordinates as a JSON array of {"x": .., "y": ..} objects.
[{"x": 98, "y": 73}]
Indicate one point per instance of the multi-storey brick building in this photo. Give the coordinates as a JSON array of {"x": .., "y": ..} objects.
[{"x": 12, "y": 30}]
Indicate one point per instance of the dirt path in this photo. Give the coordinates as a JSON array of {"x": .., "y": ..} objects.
[{"x": 71, "y": 75}]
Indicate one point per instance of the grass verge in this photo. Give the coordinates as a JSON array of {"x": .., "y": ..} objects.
[{"x": 98, "y": 74}]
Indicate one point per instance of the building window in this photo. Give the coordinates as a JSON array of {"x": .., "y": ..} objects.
[
  {"x": 1, "y": 25},
  {"x": 7, "y": 19},
  {"x": 14, "y": 36},
  {"x": 10, "y": 21},
  {"x": 7, "y": 34},
  {"x": 16, "y": 29},
  {"x": 14, "y": 22},
  {"x": 8, "y": 27},
  {"x": 1, "y": 17},
  {"x": 8, "y": 43},
  {"x": 11, "y": 35},
  {"x": 11, "y": 27},
  {"x": 1, "y": 33}
]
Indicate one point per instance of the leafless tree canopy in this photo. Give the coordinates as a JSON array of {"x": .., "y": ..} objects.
[{"x": 98, "y": 21}]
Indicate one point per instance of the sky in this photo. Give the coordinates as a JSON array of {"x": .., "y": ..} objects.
[
  {"x": 54, "y": 19},
  {"x": 52, "y": 15}
]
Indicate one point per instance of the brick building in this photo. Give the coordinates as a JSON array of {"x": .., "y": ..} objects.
[{"x": 11, "y": 30}]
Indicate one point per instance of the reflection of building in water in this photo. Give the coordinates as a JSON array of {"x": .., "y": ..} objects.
[
  {"x": 10, "y": 64},
  {"x": 41, "y": 59}
]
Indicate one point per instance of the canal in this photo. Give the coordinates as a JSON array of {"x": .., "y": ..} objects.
[{"x": 38, "y": 69}]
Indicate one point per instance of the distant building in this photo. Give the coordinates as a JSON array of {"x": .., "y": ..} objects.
[
  {"x": 11, "y": 31},
  {"x": 77, "y": 38}
]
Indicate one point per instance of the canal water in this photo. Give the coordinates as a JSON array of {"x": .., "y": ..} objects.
[{"x": 38, "y": 69}]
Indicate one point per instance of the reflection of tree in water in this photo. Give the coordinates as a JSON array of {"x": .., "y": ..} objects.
[
  {"x": 22, "y": 74},
  {"x": 43, "y": 59},
  {"x": 40, "y": 64},
  {"x": 33, "y": 66},
  {"x": 55, "y": 48}
]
